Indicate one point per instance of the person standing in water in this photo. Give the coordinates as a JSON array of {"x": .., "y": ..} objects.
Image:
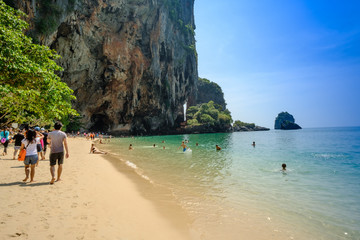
[
  {"x": 183, "y": 145},
  {"x": 283, "y": 167},
  {"x": 218, "y": 148},
  {"x": 58, "y": 141}
]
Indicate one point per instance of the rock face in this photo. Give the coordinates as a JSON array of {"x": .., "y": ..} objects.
[
  {"x": 210, "y": 91},
  {"x": 131, "y": 63},
  {"x": 289, "y": 126},
  {"x": 285, "y": 121}
]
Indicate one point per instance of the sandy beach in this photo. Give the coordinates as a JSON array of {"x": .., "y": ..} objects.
[{"x": 93, "y": 201}]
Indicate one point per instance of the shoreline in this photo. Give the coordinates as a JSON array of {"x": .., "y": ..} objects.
[
  {"x": 252, "y": 224},
  {"x": 93, "y": 201}
]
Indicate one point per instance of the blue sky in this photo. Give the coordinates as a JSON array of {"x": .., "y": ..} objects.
[{"x": 269, "y": 56}]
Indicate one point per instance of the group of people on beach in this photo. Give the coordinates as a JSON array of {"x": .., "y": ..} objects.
[{"x": 34, "y": 141}]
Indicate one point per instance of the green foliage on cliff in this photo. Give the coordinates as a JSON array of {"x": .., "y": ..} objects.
[
  {"x": 208, "y": 113},
  {"x": 48, "y": 18},
  {"x": 243, "y": 124},
  {"x": 210, "y": 91},
  {"x": 175, "y": 13},
  {"x": 30, "y": 91}
]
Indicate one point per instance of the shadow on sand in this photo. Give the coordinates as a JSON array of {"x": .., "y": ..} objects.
[{"x": 24, "y": 184}]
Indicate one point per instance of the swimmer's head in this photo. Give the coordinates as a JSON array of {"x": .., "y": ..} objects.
[{"x": 283, "y": 166}]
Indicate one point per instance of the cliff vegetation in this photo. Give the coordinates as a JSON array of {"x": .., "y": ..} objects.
[
  {"x": 210, "y": 91},
  {"x": 240, "y": 126},
  {"x": 30, "y": 90},
  {"x": 210, "y": 116}
]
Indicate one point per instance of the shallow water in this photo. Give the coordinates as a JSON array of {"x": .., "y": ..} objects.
[{"x": 226, "y": 192}]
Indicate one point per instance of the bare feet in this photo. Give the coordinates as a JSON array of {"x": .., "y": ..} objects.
[
  {"x": 32, "y": 181},
  {"x": 52, "y": 181},
  {"x": 25, "y": 179},
  {"x": 58, "y": 180}
]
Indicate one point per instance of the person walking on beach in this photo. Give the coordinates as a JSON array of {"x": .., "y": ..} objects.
[
  {"x": 31, "y": 157},
  {"x": 4, "y": 136},
  {"x": 58, "y": 141},
  {"x": 45, "y": 133},
  {"x": 38, "y": 144},
  {"x": 18, "y": 138}
]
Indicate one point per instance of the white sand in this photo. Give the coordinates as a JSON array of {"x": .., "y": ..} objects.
[{"x": 93, "y": 201}]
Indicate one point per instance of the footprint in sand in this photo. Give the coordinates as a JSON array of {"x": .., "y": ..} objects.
[
  {"x": 74, "y": 205},
  {"x": 87, "y": 204},
  {"x": 18, "y": 234},
  {"x": 51, "y": 236}
]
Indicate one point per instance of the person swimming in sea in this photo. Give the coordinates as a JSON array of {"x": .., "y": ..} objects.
[
  {"x": 253, "y": 144},
  {"x": 218, "y": 148},
  {"x": 283, "y": 167},
  {"x": 131, "y": 147}
]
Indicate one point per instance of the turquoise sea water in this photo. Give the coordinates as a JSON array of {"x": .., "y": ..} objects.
[{"x": 318, "y": 197}]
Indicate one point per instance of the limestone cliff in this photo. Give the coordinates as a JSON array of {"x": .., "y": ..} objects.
[
  {"x": 210, "y": 91},
  {"x": 131, "y": 63}
]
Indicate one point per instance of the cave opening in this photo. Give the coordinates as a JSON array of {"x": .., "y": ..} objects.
[{"x": 100, "y": 123}]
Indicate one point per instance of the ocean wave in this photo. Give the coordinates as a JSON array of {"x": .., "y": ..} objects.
[
  {"x": 130, "y": 164},
  {"x": 328, "y": 155}
]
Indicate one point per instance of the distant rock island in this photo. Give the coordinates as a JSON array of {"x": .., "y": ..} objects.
[{"x": 286, "y": 121}]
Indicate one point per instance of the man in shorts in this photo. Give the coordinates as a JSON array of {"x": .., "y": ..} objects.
[{"x": 57, "y": 139}]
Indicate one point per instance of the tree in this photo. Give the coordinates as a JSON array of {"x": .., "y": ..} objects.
[
  {"x": 30, "y": 90},
  {"x": 209, "y": 114}
]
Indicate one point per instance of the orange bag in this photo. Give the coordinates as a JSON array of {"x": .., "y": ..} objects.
[{"x": 22, "y": 155}]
